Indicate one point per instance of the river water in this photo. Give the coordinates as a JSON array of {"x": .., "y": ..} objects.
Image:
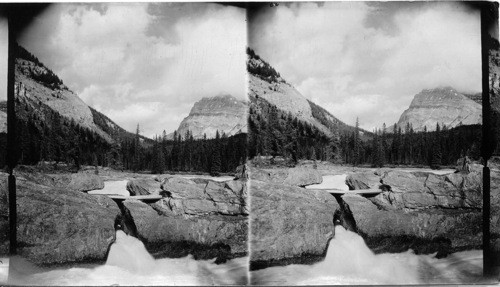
[
  {"x": 129, "y": 263},
  {"x": 350, "y": 262}
]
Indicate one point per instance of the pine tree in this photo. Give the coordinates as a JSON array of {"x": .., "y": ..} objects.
[
  {"x": 216, "y": 160},
  {"x": 356, "y": 145},
  {"x": 137, "y": 150}
]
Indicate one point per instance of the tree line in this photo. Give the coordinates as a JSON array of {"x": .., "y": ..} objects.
[
  {"x": 397, "y": 146},
  {"x": 221, "y": 154},
  {"x": 43, "y": 135},
  {"x": 273, "y": 132}
]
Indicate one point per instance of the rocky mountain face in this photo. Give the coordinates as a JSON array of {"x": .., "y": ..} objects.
[
  {"x": 443, "y": 106},
  {"x": 224, "y": 113},
  {"x": 265, "y": 83},
  {"x": 41, "y": 91}
]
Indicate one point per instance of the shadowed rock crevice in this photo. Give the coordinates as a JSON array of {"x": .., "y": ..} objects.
[
  {"x": 124, "y": 221},
  {"x": 344, "y": 215}
]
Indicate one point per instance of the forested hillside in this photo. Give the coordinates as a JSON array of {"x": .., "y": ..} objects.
[
  {"x": 406, "y": 147},
  {"x": 53, "y": 125},
  {"x": 274, "y": 132}
]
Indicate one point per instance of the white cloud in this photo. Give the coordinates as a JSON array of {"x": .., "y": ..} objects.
[
  {"x": 110, "y": 59},
  {"x": 352, "y": 68}
]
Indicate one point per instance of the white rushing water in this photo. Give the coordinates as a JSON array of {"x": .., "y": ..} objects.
[
  {"x": 118, "y": 187},
  {"x": 4, "y": 270},
  {"x": 214, "y": 178},
  {"x": 336, "y": 182},
  {"x": 349, "y": 261},
  {"x": 129, "y": 263},
  {"x": 428, "y": 170}
]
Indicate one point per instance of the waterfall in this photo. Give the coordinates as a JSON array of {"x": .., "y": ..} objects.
[
  {"x": 129, "y": 253},
  {"x": 129, "y": 263},
  {"x": 349, "y": 261}
]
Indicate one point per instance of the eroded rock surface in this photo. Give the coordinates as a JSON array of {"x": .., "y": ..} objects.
[
  {"x": 289, "y": 223},
  {"x": 143, "y": 186},
  {"x": 217, "y": 235},
  {"x": 74, "y": 181},
  {"x": 424, "y": 211},
  {"x": 297, "y": 176},
  {"x": 363, "y": 180},
  {"x": 204, "y": 218},
  {"x": 428, "y": 231},
  {"x": 57, "y": 225}
]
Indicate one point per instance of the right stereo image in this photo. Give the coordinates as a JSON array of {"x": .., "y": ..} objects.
[{"x": 372, "y": 143}]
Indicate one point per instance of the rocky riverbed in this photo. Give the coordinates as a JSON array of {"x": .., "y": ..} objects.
[
  {"x": 423, "y": 210},
  {"x": 60, "y": 223}
]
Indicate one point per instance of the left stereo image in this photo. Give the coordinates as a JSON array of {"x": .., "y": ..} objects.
[{"x": 129, "y": 127}]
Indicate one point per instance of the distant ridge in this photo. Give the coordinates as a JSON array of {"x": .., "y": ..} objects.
[
  {"x": 223, "y": 113},
  {"x": 443, "y": 106}
]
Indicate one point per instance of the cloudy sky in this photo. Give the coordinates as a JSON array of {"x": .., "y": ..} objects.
[
  {"x": 143, "y": 63},
  {"x": 3, "y": 58},
  {"x": 370, "y": 59}
]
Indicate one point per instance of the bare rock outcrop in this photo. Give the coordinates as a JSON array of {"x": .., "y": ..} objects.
[
  {"x": 143, "y": 186},
  {"x": 205, "y": 237},
  {"x": 424, "y": 211},
  {"x": 57, "y": 225},
  {"x": 291, "y": 224},
  {"x": 81, "y": 181},
  {"x": 428, "y": 231},
  {"x": 186, "y": 197},
  {"x": 363, "y": 180},
  {"x": 297, "y": 176},
  {"x": 206, "y": 219}
]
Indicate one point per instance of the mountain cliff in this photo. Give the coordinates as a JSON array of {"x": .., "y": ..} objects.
[
  {"x": 223, "y": 113},
  {"x": 443, "y": 106},
  {"x": 266, "y": 83},
  {"x": 282, "y": 122},
  {"x": 39, "y": 91}
]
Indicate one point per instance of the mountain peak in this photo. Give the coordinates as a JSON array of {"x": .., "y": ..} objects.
[
  {"x": 223, "y": 113},
  {"x": 443, "y": 105}
]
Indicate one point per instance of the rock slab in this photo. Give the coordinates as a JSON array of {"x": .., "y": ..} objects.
[
  {"x": 288, "y": 222},
  {"x": 59, "y": 225},
  {"x": 433, "y": 230}
]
